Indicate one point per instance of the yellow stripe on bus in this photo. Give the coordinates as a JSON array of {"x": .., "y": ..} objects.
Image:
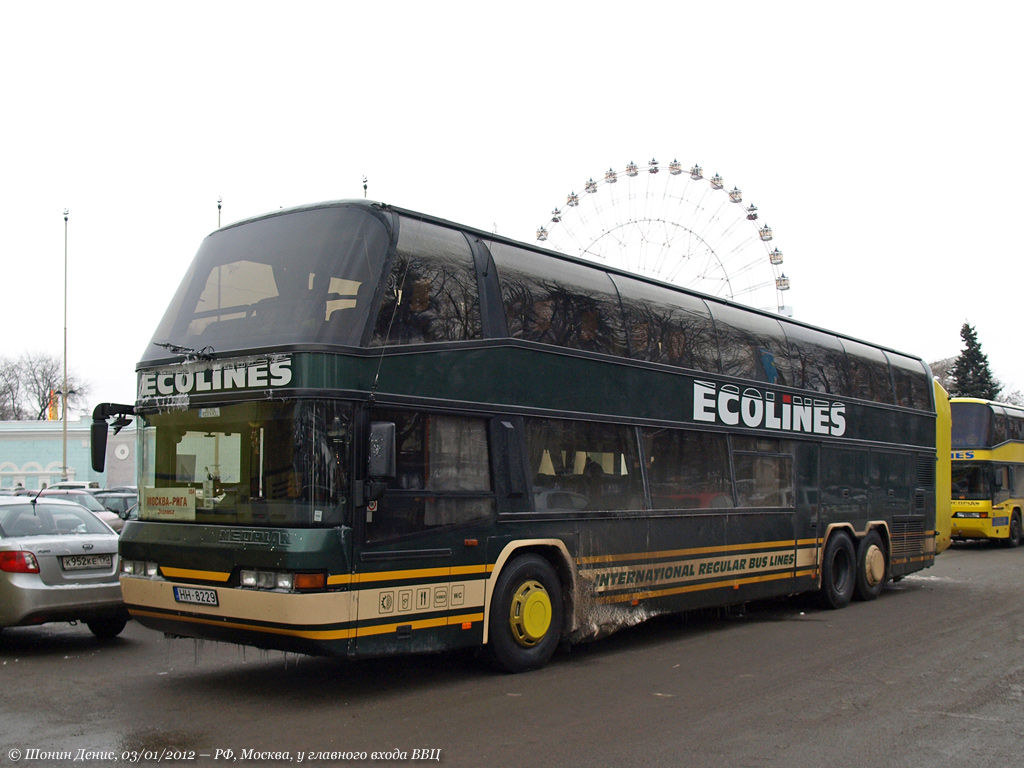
[
  {"x": 440, "y": 621},
  {"x": 316, "y": 634},
  {"x": 787, "y": 543},
  {"x": 325, "y": 634},
  {"x": 342, "y": 578},
  {"x": 418, "y": 573},
  {"x": 729, "y": 583},
  {"x": 189, "y": 573}
]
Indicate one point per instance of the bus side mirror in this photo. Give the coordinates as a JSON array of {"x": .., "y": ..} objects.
[
  {"x": 98, "y": 444},
  {"x": 98, "y": 431},
  {"x": 380, "y": 461}
]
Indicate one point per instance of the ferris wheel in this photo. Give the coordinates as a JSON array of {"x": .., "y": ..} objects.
[{"x": 676, "y": 226}]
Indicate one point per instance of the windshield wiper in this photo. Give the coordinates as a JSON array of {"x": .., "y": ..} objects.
[{"x": 206, "y": 353}]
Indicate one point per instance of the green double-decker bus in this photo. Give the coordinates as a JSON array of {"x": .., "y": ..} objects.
[{"x": 366, "y": 431}]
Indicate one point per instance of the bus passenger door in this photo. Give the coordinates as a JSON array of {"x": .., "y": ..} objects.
[{"x": 419, "y": 567}]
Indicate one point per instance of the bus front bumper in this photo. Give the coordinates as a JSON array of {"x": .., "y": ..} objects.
[{"x": 979, "y": 527}]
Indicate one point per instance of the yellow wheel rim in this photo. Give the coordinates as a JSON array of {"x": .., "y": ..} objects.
[
  {"x": 874, "y": 565},
  {"x": 530, "y": 613}
]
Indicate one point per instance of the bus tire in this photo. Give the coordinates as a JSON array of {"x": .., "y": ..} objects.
[
  {"x": 838, "y": 572},
  {"x": 1013, "y": 540},
  {"x": 872, "y": 567},
  {"x": 526, "y": 615}
]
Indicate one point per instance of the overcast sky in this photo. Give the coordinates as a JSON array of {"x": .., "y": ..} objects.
[{"x": 880, "y": 140}]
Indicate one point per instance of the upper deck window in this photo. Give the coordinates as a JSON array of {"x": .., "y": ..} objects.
[
  {"x": 432, "y": 292},
  {"x": 913, "y": 388},
  {"x": 818, "y": 360},
  {"x": 869, "y": 372},
  {"x": 557, "y": 302},
  {"x": 305, "y": 276},
  {"x": 667, "y": 326},
  {"x": 752, "y": 346}
]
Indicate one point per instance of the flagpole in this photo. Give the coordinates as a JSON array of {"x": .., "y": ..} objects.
[{"x": 64, "y": 392}]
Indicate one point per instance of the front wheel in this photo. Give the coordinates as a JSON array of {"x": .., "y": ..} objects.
[
  {"x": 526, "y": 615},
  {"x": 1015, "y": 530},
  {"x": 838, "y": 571},
  {"x": 872, "y": 567}
]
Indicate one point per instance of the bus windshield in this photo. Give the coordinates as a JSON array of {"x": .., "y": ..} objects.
[
  {"x": 971, "y": 480},
  {"x": 262, "y": 463},
  {"x": 305, "y": 276},
  {"x": 972, "y": 425}
]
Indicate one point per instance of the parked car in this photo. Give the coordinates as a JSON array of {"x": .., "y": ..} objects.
[
  {"x": 117, "y": 502},
  {"x": 89, "y": 501},
  {"x": 70, "y": 485},
  {"x": 58, "y": 562}
]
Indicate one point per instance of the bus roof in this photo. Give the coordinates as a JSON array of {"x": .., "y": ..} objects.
[{"x": 383, "y": 208}]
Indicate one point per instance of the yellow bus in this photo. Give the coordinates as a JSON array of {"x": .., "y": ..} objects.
[{"x": 987, "y": 470}]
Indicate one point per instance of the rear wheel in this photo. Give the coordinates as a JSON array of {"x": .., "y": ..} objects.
[
  {"x": 872, "y": 567},
  {"x": 107, "y": 627},
  {"x": 838, "y": 571},
  {"x": 526, "y": 615}
]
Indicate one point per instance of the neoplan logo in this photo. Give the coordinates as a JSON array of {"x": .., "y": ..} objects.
[{"x": 726, "y": 404}]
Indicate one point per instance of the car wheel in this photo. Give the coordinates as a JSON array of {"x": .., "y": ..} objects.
[{"x": 107, "y": 627}]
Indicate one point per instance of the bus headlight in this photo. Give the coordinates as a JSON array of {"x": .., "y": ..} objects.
[
  {"x": 282, "y": 580},
  {"x": 140, "y": 568},
  {"x": 285, "y": 581}
]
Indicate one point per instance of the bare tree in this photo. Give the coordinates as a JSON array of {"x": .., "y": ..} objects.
[
  {"x": 1015, "y": 397},
  {"x": 10, "y": 390},
  {"x": 943, "y": 371},
  {"x": 27, "y": 384}
]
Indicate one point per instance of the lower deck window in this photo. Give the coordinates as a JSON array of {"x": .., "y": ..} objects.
[
  {"x": 443, "y": 475},
  {"x": 764, "y": 472},
  {"x": 688, "y": 469},
  {"x": 583, "y": 466},
  {"x": 763, "y": 481}
]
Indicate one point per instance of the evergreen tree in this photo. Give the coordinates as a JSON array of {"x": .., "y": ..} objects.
[{"x": 971, "y": 375}]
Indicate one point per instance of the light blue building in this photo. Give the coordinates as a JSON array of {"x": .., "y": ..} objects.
[{"x": 31, "y": 454}]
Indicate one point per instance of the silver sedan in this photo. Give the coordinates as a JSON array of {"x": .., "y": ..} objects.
[{"x": 58, "y": 562}]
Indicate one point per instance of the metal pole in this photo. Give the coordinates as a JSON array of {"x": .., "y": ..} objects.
[
  {"x": 219, "y": 200},
  {"x": 64, "y": 391}
]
